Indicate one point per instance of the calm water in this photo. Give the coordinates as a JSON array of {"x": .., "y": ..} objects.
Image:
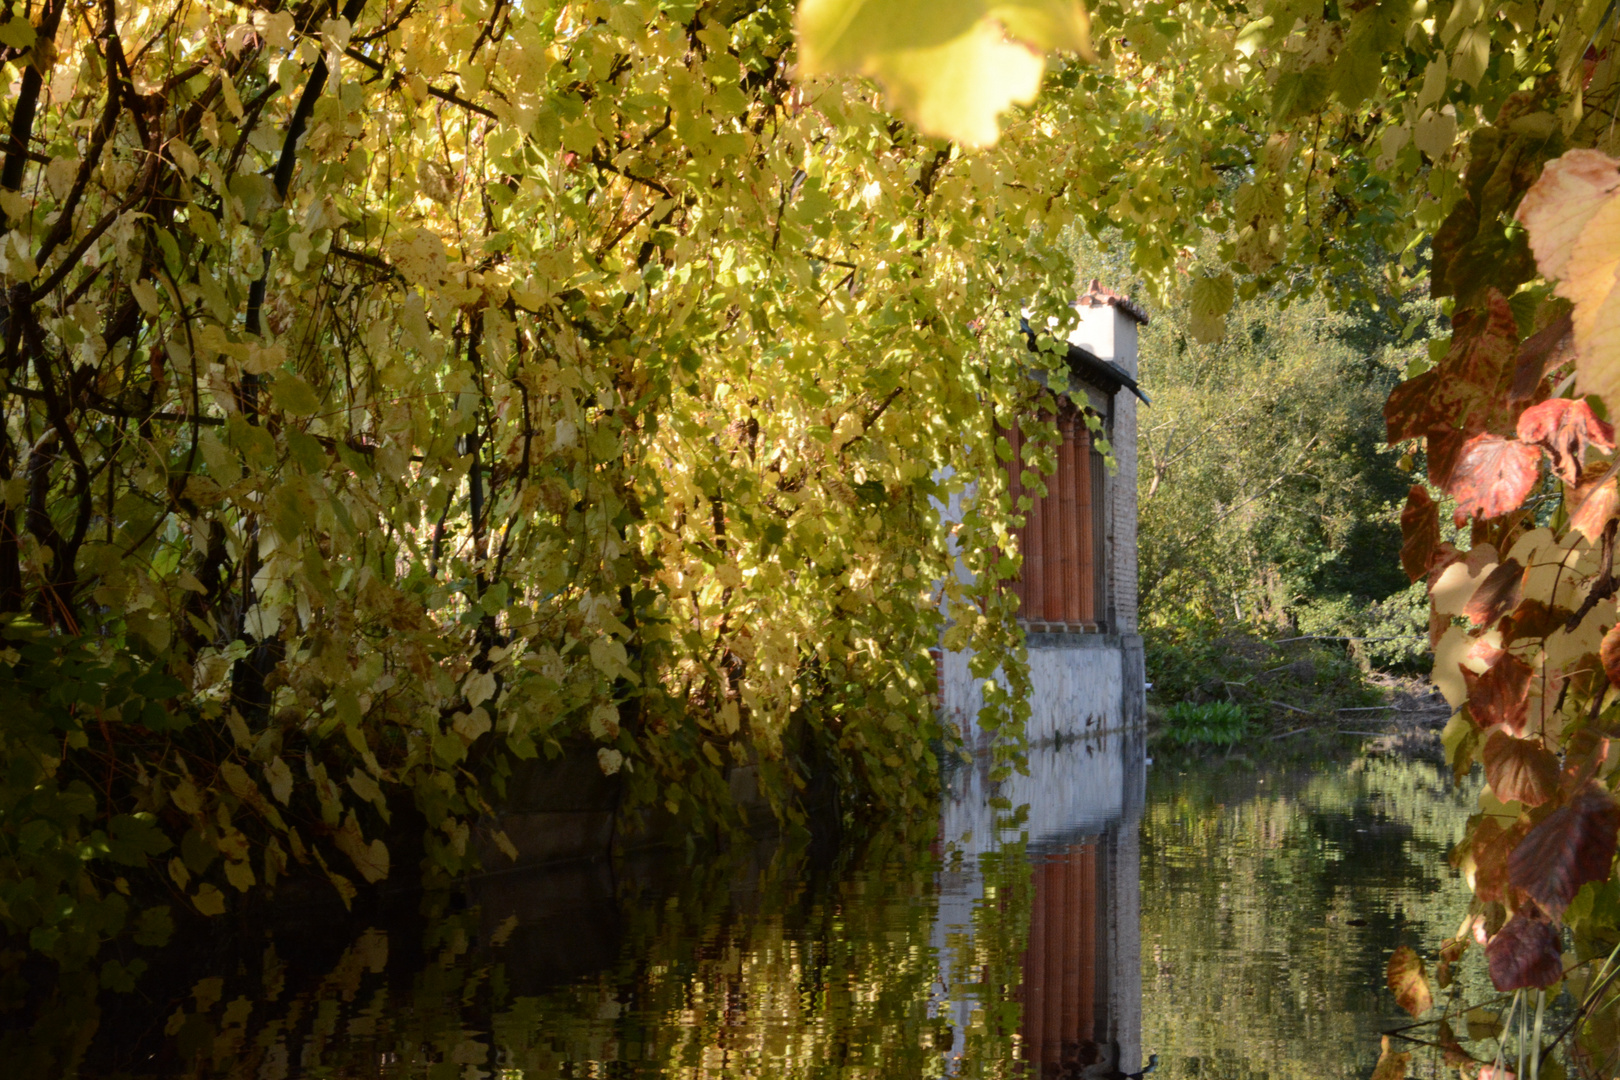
[{"x": 1231, "y": 918}]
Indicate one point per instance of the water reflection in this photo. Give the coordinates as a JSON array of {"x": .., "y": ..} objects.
[
  {"x": 1076, "y": 815},
  {"x": 1272, "y": 898},
  {"x": 1011, "y": 937}
]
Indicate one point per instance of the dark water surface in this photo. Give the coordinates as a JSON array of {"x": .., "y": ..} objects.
[{"x": 1232, "y": 918}]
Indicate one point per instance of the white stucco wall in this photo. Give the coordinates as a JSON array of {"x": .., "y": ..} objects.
[{"x": 1076, "y": 689}]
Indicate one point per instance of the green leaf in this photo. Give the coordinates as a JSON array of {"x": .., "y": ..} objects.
[
  {"x": 19, "y": 33},
  {"x": 295, "y": 396}
]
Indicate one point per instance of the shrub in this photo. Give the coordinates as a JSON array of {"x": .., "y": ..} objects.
[{"x": 1215, "y": 723}]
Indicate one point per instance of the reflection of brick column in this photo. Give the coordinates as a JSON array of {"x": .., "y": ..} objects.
[{"x": 1061, "y": 969}]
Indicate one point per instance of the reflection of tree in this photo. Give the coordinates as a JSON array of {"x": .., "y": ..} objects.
[
  {"x": 1270, "y": 904},
  {"x": 788, "y": 967}
]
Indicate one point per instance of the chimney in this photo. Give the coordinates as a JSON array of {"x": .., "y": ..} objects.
[{"x": 1108, "y": 324}]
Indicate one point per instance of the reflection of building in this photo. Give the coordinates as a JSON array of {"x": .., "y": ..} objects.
[
  {"x": 1082, "y": 984},
  {"x": 1077, "y": 588}
]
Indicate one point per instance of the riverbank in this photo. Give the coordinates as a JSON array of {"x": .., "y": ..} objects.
[{"x": 1246, "y": 691}]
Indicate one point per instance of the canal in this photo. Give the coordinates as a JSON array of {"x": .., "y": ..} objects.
[{"x": 1226, "y": 917}]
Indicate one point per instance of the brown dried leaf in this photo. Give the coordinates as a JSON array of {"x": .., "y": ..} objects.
[
  {"x": 1493, "y": 475},
  {"x": 1405, "y": 976},
  {"x": 1525, "y": 953},
  {"x": 1501, "y": 695},
  {"x": 1392, "y": 1064},
  {"x": 1520, "y": 770},
  {"x": 1571, "y": 846},
  {"x": 1420, "y": 532},
  {"x": 1565, "y": 429},
  {"x": 1497, "y": 594},
  {"x": 1533, "y": 619}
]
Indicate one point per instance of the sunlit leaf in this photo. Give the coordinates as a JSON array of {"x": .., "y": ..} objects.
[
  {"x": 1520, "y": 770},
  {"x": 1407, "y": 979},
  {"x": 953, "y": 68},
  {"x": 1493, "y": 475},
  {"x": 1565, "y": 429},
  {"x": 1572, "y": 214}
]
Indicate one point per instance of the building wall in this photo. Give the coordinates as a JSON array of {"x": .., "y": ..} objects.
[
  {"x": 1111, "y": 335},
  {"x": 1082, "y": 683},
  {"x": 1077, "y": 687}
]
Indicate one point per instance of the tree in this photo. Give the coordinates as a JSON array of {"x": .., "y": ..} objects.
[{"x": 400, "y": 392}]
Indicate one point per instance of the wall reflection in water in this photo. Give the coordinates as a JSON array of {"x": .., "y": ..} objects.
[{"x": 1079, "y": 810}]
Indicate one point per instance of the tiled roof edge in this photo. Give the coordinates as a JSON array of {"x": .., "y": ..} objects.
[{"x": 1097, "y": 296}]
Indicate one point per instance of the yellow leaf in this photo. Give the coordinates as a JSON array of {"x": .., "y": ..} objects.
[
  {"x": 365, "y": 787},
  {"x": 370, "y": 859},
  {"x": 185, "y": 797},
  {"x": 478, "y": 688},
  {"x": 469, "y": 725},
  {"x": 209, "y": 900},
  {"x": 609, "y": 760},
  {"x": 179, "y": 873},
  {"x": 1435, "y": 132},
  {"x": 240, "y": 874},
  {"x": 280, "y": 778},
  {"x": 146, "y": 295},
  {"x": 604, "y": 721},
  {"x": 1208, "y": 300},
  {"x": 952, "y": 67}
]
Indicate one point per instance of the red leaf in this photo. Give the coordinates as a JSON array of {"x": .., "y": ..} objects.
[
  {"x": 1445, "y": 447},
  {"x": 1497, "y": 594},
  {"x": 1406, "y": 412},
  {"x": 1571, "y": 846},
  {"x": 1609, "y": 653},
  {"x": 1420, "y": 532},
  {"x": 1593, "y": 503},
  {"x": 1565, "y": 429},
  {"x": 1547, "y": 349},
  {"x": 1492, "y": 847},
  {"x": 1584, "y": 755},
  {"x": 1501, "y": 695},
  {"x": 1520, "y": 770},
  {"x": 1484, "y": 351},
  {"x": 1405, "y": 977},
  {"x": 1525, "y": 954},
  {"x": 1493, "y": 475},
  {"x": 1467, "y": 392}
]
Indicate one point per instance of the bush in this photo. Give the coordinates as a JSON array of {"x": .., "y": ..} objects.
[{"x": 1215, "y": 723}]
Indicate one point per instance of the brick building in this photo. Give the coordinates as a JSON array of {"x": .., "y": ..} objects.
[{"x": 1078, "y": 588}]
